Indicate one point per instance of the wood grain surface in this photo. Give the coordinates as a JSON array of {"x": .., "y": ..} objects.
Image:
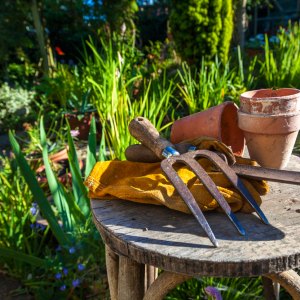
[{"x": 173, "y": 241}]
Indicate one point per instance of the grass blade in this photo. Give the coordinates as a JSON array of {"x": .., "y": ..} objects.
[{"x": 91, "y": 151}]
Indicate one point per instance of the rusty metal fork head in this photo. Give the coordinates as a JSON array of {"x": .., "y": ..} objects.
[{"x": 190, "y": 160}]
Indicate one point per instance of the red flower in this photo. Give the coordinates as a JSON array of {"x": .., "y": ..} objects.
[{"x": 59, "y": 51}]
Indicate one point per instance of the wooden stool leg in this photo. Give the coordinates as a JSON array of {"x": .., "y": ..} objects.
[
  {"x": 151, "y": 274},
  {"x": 131, "y": 279},
  {"x": 269, "y": 293},
  {"x": 112, "y": 269},
  {"x": 164, "y": 283},
  {"x": 290, "y": 280}
]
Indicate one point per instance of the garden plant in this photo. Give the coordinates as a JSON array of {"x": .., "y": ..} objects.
[{"x": 47, "y": 237}]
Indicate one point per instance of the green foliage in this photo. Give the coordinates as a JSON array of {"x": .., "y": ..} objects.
[
  {"x": 21, "y": 72},
  {"x": 66, "y": 89},
  {"x": 280, "y": 66},
  {"x": 15, "y": 200},
  {"x": 119, "y": 93},
  {"x": 16, "y": 107},
  {"x": 202, "y": 29},
  {"x": 209, "y": 86},
  {"x": 57, "y": 265},
  {"x": 230, "y": 288},
  {"x": 37, "y": 192}
]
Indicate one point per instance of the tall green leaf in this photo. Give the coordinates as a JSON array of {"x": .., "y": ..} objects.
[
  {"x": 38, "y": 193},
  {"x": 57, "y": 191},
  {"x": 102, "y": 146}
]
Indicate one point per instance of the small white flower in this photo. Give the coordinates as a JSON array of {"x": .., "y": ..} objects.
[{"x": 123, "y": 29}]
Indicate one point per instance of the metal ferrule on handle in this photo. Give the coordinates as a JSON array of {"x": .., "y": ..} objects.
[
  {"x": 169, "y": 151},
  {"x": 144, "y": 131}
]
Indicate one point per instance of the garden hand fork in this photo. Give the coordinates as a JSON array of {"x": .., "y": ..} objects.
[{"x": 146, "y": 133}]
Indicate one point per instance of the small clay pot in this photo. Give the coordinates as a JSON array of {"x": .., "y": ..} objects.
[
  {"x": 79, "y": 124},
  {"x": 219, "y": 122},
  {"x": 268, "y": 101},
  {"x": 270, "y": 138}
]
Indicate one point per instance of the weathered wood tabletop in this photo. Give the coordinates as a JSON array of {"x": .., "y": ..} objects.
[{"x": 174, "y": 241}]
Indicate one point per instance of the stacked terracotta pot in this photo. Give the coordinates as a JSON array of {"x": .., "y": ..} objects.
[{"x": 270, "y": 120}]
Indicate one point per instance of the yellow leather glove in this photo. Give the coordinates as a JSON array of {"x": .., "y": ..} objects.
[{"x": 145, "y": 183}]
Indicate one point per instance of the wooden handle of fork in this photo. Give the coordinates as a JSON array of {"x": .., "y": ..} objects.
[{"x": 144, "y": 131}]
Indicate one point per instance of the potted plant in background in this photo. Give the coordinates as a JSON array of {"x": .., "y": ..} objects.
[
  {"x": 57, "y": 153},
  {"x": 79, "y": 114}
]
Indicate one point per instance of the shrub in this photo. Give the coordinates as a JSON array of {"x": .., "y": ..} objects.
[
  {"x": 202, "y": 29},
  {"x": 15, "y": 106}
]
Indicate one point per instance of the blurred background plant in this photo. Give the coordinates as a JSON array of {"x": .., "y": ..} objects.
[
  {"x": 210, "y": 86},
  {"x": 280, "y": 66},
  {"x": 16, "y": 107},
  {"x": 205, "y": 23}
]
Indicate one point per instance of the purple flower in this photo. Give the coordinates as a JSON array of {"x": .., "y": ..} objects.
[
  {"x": 37, "y": 226},
  {"x": 40, "y": 226},
  {"x": 76, "y": 282},
  {"x": 213, "y": 292},
  {"x": 72, "y": 250},
  {"x": 81, "y": 267},
  {"x": 65, "y": 271},
  {"x": 58, "y": 275},
  {"x": 63, "y": 287},
  {"x": 33, "y": 208}
]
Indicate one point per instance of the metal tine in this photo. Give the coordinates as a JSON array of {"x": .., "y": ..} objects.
[
  {"x": 201, "y": 174},
  {"x": 187, "y": 196},
  {"x": 232, "y": 177}
]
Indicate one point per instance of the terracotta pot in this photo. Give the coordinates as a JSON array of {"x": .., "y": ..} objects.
[
  {"x": 268, "y": 101},
  {"x": 55, "y": 157},
  {"x": 270, "y": 138},
  {"x": 219, "y": 122}
]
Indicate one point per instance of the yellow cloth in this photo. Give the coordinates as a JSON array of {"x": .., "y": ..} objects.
[{"x": 145, "y": 182}]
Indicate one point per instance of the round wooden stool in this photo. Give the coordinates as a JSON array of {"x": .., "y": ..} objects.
[{"x": 140, "y": 238}]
